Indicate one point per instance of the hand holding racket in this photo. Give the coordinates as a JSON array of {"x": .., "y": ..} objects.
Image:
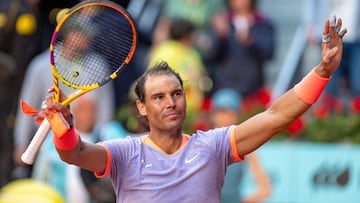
[{"x": 91, "y": 44}]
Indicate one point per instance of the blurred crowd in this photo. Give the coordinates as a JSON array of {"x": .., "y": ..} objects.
[{"x": 219, "y": 47}]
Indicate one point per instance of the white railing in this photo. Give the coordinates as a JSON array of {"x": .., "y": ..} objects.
[{"x": 291, "y": 63}]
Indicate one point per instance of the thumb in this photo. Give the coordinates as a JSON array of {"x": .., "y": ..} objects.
[{"x": 330, "y": 54}]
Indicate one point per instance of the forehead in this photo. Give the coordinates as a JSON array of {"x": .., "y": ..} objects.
[{"x": 161, "y": 83}]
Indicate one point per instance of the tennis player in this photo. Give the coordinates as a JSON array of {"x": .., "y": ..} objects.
[{"x": 167, "y": 165}]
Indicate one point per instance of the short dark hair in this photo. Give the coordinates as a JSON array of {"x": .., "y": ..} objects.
[
  {"x": 160, "y": 68},
  {"x": 180, "y": 28}
]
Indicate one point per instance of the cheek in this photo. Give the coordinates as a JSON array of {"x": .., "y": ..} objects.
[
  {"x": 182, "y": 103},
  {"x": 150, "y": 111}
]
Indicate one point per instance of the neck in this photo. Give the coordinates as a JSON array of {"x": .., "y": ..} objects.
[{"x": 168, "y": 143}]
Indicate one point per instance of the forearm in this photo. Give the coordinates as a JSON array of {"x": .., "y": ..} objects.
[
  {"x": 299, "y": 99},
  {"x": 73, "y": 150},
  {"x": 286, "y": 110},
  {"x": 68, "y": 146},
  {"x": 262, "y": 127}
]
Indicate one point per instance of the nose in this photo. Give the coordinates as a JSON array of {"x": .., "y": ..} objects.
[{"x": 170, "y": 101}]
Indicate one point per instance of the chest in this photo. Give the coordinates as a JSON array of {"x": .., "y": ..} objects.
[{"x": 196, "y": 167}]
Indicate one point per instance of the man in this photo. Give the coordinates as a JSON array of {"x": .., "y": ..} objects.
[{"x": 169, "y": 166}]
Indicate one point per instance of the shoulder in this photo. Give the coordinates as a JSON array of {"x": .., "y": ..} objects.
[
  {"x": 166, "y": 46},
  {"x": 122, "y": 144},
  {"x": 214, "y": 131},
  {"x": 261, "y": 18},
  {"x": 40, "y": 62},
  {"x": 213, "y": 136}
]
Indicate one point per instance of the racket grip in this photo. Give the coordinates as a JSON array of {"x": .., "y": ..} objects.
[{"x": 32, "y": 150}]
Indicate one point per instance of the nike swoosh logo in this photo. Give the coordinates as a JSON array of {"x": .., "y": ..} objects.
[{"x": 192, "y": 158}]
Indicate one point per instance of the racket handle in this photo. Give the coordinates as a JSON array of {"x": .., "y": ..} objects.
[{"x": 32, "y": 150}]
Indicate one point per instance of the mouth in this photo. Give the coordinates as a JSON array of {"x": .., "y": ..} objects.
[{"x": 172, "y": 115}]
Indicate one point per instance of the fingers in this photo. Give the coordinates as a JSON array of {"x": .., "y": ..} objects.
[
  {"x": 326, "y": 27},
  {"x": 51, "y": 90},
  {"x": 57, "y": 96},
  {"x": 63, "y": 97},
  {"x": 53, "y": 104},
  {"x": 332, "y": 21},
  {"x": 342, "y": 33},
  {"x": 338, "y": 30},
  {"x": 326, "y": 34},
  {"x": 335, "y": 26},
  {"x": 49, "y": 107},
  {"x": 338, "y": 26},
  {"x": 332, "y": 29}
]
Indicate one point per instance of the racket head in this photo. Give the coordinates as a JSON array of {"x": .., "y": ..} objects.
[{"x": 91, "y": 44}]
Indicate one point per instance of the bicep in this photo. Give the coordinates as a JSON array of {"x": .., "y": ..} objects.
[
  {"x": 257, "y": 130},
  {"x": 254, "y": 132}
]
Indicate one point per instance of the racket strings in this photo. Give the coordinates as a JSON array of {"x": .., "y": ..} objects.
[
  {"x": 92, "y": 44},
  {"x": 120, "y": 42}
]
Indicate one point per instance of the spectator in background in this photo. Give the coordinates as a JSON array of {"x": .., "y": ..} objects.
[
  {"x": 128, "y": 115},
  {"x": 19, "y": 42},
  {"x": 345, "y": 81},
  {"x": 225, "y": 111},
  {"x": 198, "y": 12},
  {"x": 181, "y": 55},
  {"x": 244, "y": 40}
]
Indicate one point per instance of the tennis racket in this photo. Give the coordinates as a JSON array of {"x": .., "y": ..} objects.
[{"x": 91, "y": 44}]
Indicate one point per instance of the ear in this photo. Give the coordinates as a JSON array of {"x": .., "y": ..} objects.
[{"x": 141, "y": 108}]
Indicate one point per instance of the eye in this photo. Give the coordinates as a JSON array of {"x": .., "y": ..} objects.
[
  {"x": 158, "y": 97},
  {"x": 179, "y": 93}
]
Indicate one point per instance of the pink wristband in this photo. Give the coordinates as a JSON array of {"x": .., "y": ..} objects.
[
  {"x": 67, "y": 141},
  {"x": 310, "y": 87}
]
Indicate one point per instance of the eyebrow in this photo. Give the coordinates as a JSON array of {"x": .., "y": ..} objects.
[
  {"x": 157, "y": 94},
  {"x": 162, "y": 93}
]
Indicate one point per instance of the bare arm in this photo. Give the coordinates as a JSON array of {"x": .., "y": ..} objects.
[
  {"x": 85, "y": 155},
  {"x": 257, "y": 130}
]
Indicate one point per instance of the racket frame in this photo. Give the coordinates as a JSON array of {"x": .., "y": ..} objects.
[{"x": 33, "y": 148}]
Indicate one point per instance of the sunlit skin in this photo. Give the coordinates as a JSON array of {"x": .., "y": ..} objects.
[{"x": 165, "y": 108}]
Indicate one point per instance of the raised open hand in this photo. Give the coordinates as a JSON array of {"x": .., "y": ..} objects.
[{"x": 332, "y": 46}]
